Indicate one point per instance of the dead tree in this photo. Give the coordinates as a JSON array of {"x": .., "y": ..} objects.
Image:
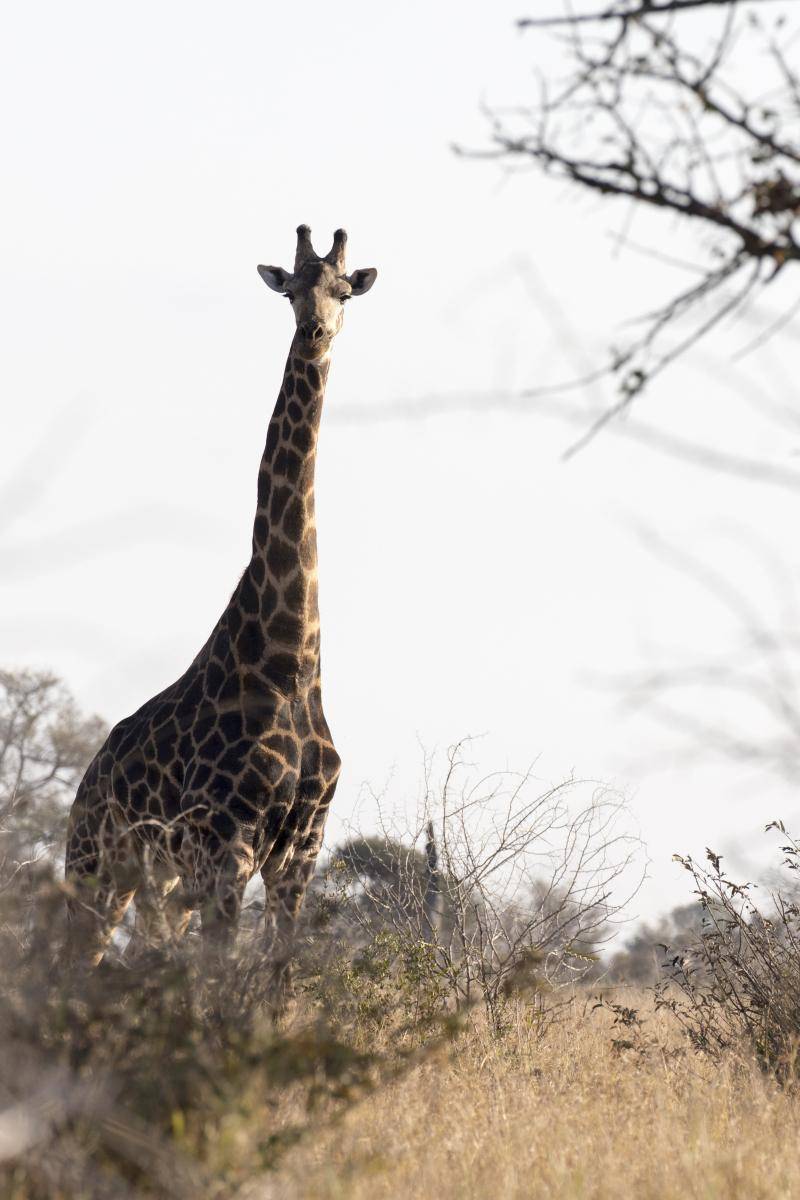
[{"x": 432, "y": 884}]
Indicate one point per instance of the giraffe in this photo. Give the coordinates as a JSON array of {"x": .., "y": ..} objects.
[{"x": 230, "y": 770}]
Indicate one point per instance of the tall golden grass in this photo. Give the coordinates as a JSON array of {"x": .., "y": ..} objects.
[
  {"x": 562, "y": 1117},
  {"x": 154, "y": 1081}
]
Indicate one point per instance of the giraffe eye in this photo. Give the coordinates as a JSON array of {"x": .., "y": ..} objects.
[{"x": 346, "y": 297}]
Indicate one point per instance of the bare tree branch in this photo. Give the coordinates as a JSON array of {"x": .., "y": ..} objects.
[
  {"x": 654, "y": 113},
  {"x": 633, "y": 12}
]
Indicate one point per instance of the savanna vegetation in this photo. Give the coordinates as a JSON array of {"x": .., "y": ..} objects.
[{"x": 458, "y": 1025}]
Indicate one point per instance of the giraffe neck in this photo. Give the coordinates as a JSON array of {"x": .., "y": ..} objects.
[{"x": 278, "y": 630}]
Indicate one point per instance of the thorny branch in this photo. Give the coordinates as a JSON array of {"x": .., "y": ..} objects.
[
  {"x": 654, "y": 112},
  {"x": 627, "y": 12}
]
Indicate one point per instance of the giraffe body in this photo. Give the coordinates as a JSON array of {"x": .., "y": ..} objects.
[{"x": 231, "y": 770}]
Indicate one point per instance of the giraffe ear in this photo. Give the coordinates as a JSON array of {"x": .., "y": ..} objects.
[
  {"x": 361, "y": 281},
  {"x": 274, "y": 277}
]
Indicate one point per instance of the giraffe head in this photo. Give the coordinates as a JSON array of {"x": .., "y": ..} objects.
[{"x": 318, "y": 290}]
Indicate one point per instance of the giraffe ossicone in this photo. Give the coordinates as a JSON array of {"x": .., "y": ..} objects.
[{"x": 231, "y": 770}]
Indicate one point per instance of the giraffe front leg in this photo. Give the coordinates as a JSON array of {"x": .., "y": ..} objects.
[
  {"x": 283, "y": 902},
  {"x": 284, "y": 896},
  {"x": 221, "y": 905}
]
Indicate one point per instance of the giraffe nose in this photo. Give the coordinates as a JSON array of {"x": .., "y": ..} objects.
[{"x": 312, "y": 331}]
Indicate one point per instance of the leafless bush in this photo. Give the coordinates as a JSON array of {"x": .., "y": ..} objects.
[
  {"x": 739, "y": 979},
  {"x": 494, "y": 889}
]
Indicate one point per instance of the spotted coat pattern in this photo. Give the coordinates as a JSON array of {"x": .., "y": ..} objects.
[{"x": 231, "y": 769}]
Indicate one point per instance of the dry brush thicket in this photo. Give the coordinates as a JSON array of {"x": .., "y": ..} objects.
[
  {"x": 494, "y": 886},
  {"x": 453, "y": 1030}
]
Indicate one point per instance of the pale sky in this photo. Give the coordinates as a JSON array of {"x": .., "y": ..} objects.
[{"x": 472, "y": 582}]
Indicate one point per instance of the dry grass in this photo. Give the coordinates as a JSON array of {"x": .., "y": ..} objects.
[
  {"x": 159, "y": 1078},
  {"x": 568, "y": 1116},
  {"x": 141, "y": 1087}
]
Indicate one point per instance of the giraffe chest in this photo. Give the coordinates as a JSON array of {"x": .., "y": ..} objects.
[
  {"x": 252, "y": 775},
  {"x": 277, "y": 774}
]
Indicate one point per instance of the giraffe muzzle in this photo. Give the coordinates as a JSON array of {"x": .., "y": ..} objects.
[
  {"x": 314, "y": 339},
  {"x": 312, "y": 332}
]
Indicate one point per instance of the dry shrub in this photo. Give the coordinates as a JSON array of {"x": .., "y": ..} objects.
[
  {"x": 738, "y": 980},
  {"x": 494, "y": 886},
  {"x": 160, "y": 1078}
]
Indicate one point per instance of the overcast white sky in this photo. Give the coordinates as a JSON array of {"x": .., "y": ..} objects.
[{"x": 471, "y": 581}]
